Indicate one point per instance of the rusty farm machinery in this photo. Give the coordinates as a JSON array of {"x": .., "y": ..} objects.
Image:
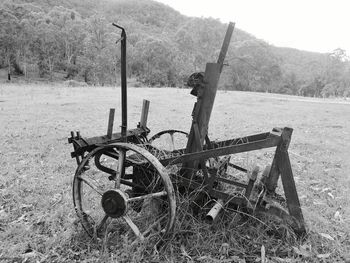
[{"x": 127, "y": 186}]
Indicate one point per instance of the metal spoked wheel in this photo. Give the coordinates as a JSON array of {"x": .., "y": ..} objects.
[
  {"x": 169, "y": 140},
  {"x": 123, "y": 190}
]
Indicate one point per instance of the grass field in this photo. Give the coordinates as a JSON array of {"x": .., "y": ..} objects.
[{"x": 37, "y": 219}]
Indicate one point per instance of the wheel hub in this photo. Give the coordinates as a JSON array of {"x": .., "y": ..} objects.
[{"x": 114, "y": 203}]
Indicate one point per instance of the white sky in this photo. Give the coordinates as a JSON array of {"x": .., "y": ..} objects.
[{"x": 312, "y": 25}]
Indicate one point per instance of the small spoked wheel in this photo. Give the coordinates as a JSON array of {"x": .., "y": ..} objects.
[
  {"x": 169, "y": 140},
  {"x": 123, "y": 190}
]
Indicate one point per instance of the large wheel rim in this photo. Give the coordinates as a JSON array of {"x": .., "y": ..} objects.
[
  {"x": 100, "y": 195},
  {"x": 169, "y": 140}
]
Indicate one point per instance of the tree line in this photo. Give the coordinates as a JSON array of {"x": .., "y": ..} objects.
[{"x": 75, "y": 40}]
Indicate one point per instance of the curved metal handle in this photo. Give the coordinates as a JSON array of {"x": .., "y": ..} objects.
[{"x": 120, "y": 27}]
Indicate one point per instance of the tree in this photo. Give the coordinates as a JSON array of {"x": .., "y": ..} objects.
[
  {"x": 71, "y": 31},
  {"x": 100, "y": 55},
  {"x": 289, "y": 84},
  {"x": 154, "y": 62},
  {"x": 9, "y": 27},
  {"x": 47, "y": 47},
  {"x": 313, "y": 88},
  {"x": 254, "y": 67},
  {"x": 336, "y": 74},
  {"x": 25, "y": 32}
]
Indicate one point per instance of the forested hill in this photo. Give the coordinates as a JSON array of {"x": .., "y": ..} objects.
[{"x": 74, "y": 39}]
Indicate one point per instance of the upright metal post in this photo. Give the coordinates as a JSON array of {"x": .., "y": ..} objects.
[
  {"x": 122, "y": 153},
  {"x": 124, "y": 126}
]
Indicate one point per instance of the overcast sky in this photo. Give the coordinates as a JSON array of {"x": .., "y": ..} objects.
[{"x": 312, "y": 25}]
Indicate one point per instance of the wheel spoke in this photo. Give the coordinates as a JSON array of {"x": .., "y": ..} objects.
[
  {"x": 172, "y": 142},
  {"x": 148, "y": 196},
  {"x": 134, "y": 228},
  {"x": 153, "y": 225},
  {"x": 91, "y": 184},
  {"x": 102, "y": 223}
]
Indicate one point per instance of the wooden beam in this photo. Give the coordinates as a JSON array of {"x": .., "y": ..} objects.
[
  {"x": 204, "y": 105},
  {"x": 225, "y": 45},
  {"x": 110, "y": 123},
  {"x": 274, "y": 174},
  {"x": 290, "y": 191},
  {"x": 212, "y": 153},
  {"x": 144, "y": 114}
]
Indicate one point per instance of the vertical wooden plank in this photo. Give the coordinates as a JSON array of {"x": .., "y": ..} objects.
[
  {"x": 211, "y": 79},
  {"x": 195, "y": 147},
  {"x": 225, "y": 44},
  {"x": 290, "y": 191},
  {"x": 252, "y": 178},
  {"x": 205, "y": 101},
  {"x": 203, "y": 112},
  {"x": 282, "y": 162},
  {"x": 110, "y": 123},
  {"x": 144, "y": 114},
  {"x": 271, "y": 180},
  {"x": 274, "y": 174}
]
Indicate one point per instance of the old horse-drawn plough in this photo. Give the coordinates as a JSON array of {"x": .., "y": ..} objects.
[{"x": 127, "y": 185}]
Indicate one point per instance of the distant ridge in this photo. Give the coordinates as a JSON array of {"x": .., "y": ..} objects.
[{"x": 164, "y": 47}]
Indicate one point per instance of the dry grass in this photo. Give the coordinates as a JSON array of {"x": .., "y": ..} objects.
[{"x": 37, "y": 220}]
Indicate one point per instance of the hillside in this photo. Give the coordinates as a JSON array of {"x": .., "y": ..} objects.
[{"x": 74, "y": 39}]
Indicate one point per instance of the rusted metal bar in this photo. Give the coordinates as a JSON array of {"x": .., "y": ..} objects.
[
  {"x": 213, "y": 193},
  {"x": 124, "y": 127},
  {"x": 250, "y": 138},
  {"x": 206, "y": 154},
  {"x": 89, "y": 144},
  {"x": 236, "y": 141},
  {"x": 232, "y": 182},
  {"x": 237, "y": 167}
]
